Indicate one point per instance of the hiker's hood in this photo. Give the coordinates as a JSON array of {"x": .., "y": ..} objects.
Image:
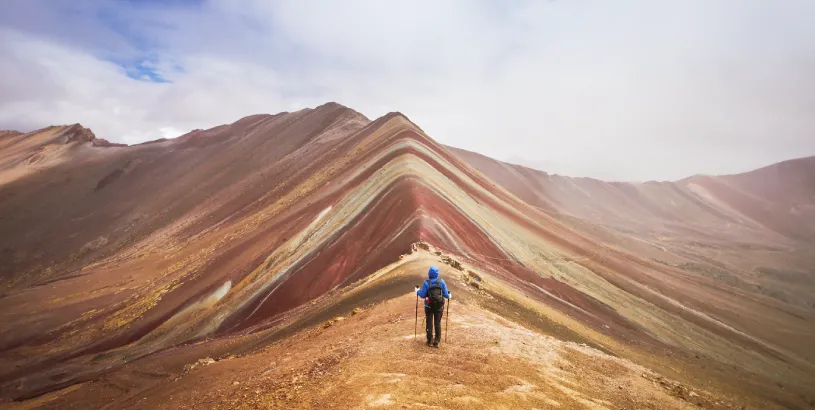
[{"x": 433, "y": 273}]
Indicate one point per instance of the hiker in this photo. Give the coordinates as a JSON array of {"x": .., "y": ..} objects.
[{"x": 434, "y": 291}]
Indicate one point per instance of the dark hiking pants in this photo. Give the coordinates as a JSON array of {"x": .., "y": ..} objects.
[{"x": 432, "y": 319}]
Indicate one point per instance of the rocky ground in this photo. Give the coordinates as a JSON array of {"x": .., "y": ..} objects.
[{"x": 370, "y": 359}]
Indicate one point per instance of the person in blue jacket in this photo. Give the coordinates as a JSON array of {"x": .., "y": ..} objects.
[{"x": 434, "y": 291}]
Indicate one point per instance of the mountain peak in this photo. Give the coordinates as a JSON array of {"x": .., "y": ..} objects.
[
  {"x": 77, "y": 133},
  {"x": 398, "y": 114},
  {"x": 247, "y": 234},
  {"x": 332, "y": 105},
  {"x": 349, "y": 112}
]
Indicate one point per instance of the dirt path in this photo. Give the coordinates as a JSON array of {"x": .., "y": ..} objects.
[{"x": 371, "y": 360}]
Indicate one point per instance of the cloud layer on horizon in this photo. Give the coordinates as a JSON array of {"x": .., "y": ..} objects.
[{"x": 633, "y": 90}]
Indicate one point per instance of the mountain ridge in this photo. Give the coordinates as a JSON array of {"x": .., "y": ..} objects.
[
  {"x": 351, "y": 112},
  {"x": 243, "y": 229},
  {"x": 710, "y": 198}
]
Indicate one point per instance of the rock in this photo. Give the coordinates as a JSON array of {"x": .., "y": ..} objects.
[
  {"x": 693, "y": 394},
  {"x": 235, "y": 383},
  {"x": 200, "y": 363},
  {"x": 332, "y": 321},
  {"x": 474, "y": 276},
  {"x": 356, "y": 311}
]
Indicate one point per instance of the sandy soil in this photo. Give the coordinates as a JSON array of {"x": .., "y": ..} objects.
[{"x": 371, "y": 360}]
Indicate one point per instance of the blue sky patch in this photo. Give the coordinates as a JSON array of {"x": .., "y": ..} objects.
[
  {"x": 142, "y": 70},
  {"x": 166, "y": 2}
]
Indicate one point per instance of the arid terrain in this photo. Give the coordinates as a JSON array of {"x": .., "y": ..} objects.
[{"x": 270, "y": 263}]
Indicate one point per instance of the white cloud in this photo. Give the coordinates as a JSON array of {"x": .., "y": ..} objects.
[
  {"x": 44, "y": 83},
  {"x": 623, "y": 90}
]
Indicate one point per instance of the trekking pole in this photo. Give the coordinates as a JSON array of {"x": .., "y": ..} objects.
[
  {"x": 447, "y": 321},
  {"x": 416, "y": 322}
]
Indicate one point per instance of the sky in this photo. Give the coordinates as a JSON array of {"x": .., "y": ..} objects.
[{"x": 623, "y": 90}]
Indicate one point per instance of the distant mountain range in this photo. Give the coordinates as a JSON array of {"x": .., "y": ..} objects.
[{"x": 243, "y": 234}]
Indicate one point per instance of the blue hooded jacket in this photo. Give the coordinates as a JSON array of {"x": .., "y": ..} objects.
[{"x": 433, "y": 276}]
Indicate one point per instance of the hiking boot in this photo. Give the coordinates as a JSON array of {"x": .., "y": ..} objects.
[
  {"x": 436, "y": 344},
  {"x": 428, "y": 344}
]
